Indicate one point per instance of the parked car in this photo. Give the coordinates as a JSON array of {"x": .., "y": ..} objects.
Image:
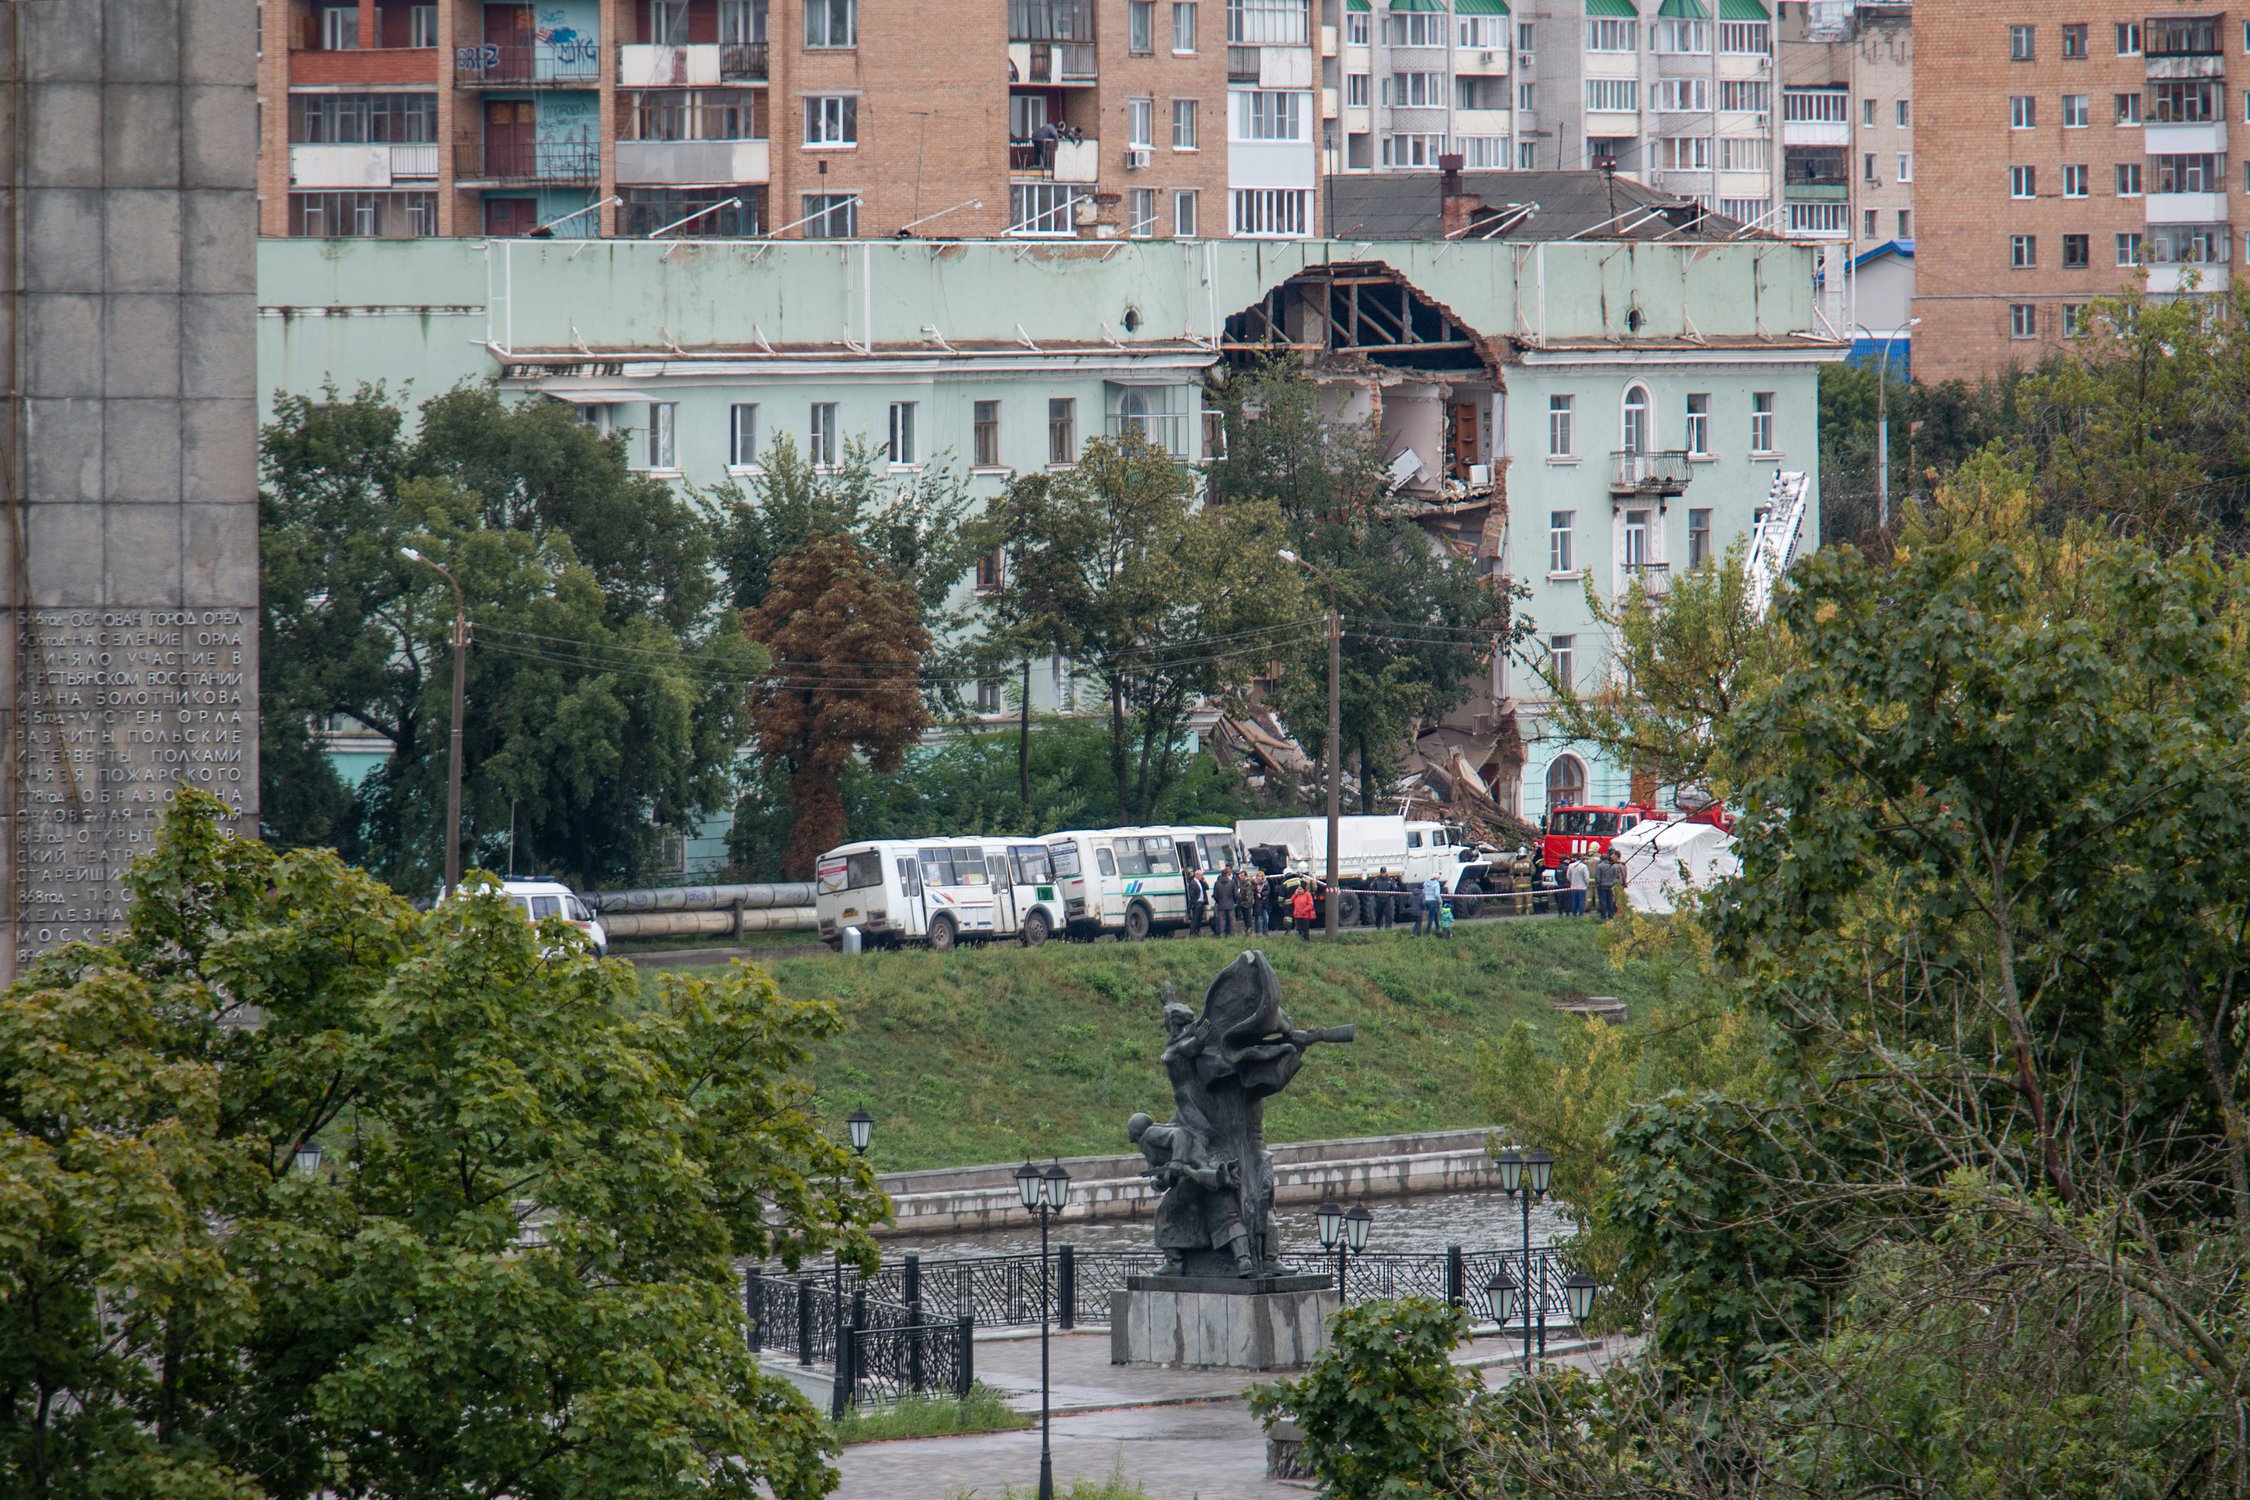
[{"x": 543, "y": 896}]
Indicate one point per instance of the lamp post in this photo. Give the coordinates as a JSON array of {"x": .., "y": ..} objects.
[
  {"x": 1342, "y": 1232},
  {"x": 307, "y": 1156},
  {"x": 1044, "y": 1193},
  {"x": 860, "y": 1128},
  {"x": 460, "y": 691},
  {"x": 1883, "y": 424},
  {"x": 1335, "y": 734},
  {"x": 1524, "y": 1177}
]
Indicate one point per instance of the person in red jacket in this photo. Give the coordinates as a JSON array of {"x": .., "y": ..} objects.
[{"x": 1301, "y": 908}]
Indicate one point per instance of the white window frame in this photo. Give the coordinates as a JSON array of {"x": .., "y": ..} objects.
[
  {"x": 1696, "y": 429},
  {"x": 1140, "y": 213},
  {"x": 1185, "y": 23},
  {"x": 663, "y": 445},
  {"x": 831, "y": 122},
  {"x": 902, "y": 444},
  {"x": 1270, "y": 213},
  {"x": 742, "y": 435},
  {"x": 821, "y": 441},
  {"x": 838, "y": 18},
  {"x": 1562, "y": 428},
  {"x": 1140, "y": 124},
  {"x": 1562, "y": 543},
  {"x": 2023, "y": 320},
  {"x": 2023, "y": 111},
  {"x": 1187, "y": 124},
  {"x": 1763, "y": 415},
  {"x": 2077, "y": 111},
  {"x": 1187, "y": 214}
]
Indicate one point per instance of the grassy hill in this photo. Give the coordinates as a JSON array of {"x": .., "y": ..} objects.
[{"x": 995, "y": 1054}]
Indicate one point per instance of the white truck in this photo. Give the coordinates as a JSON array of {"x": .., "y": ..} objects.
[{"x": 1367, "y": 845}]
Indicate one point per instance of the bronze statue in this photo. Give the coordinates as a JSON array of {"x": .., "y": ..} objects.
[{"x": 1216, "y": 1215}]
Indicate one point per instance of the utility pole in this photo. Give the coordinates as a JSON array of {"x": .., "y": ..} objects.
[
  {"x": 1332, "y": 906},
  {"x": 460, "y": 700}
]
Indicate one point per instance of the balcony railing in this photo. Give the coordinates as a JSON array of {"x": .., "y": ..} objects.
[
  {"x": 1053, "y": 62},
  {"x": 741, "y": 62},
  {"x": 562, "y": 163},
  {"x": 1663, "y": 473},
  {"x": 1655, "y": 578},
  {"x": 1058, "y": 161},
  {"x": 554, "y": 64}
]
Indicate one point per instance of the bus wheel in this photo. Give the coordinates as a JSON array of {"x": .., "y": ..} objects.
[
  {"x": 1136, "y": 923},
  {"x": 1035, "y": 929},
  {"x": 941, "y": 935}
]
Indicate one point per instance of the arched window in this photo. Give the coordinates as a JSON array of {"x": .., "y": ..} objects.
[
  {"x": 1638, "y": 438},
  {"x": 1566, "y": 782}
]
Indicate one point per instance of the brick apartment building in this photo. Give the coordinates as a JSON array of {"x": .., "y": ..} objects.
[
  {"x": 2085, "y": 145},
  {"x": 729, "y": 118}
]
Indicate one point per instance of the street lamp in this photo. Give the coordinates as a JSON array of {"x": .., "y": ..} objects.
[
  {"x": 1335, "y": 734},
  {"x": 1500, "y": 1294},
  {"x": 307, "y": 1157},
  {"x": 460, "y": 690},
  {"x": 1044, "y": 1193},
  {"x": 862, "y": 1126},
  {"x": 1579, "y": 1292},
  {"x": 1883, "y": 424},
  {"x": 1524, "y": 1177},
  {"x": 1342, "y": 1232}
]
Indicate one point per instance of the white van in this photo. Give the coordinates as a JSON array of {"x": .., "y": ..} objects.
[
  {"x": 1027, "y": 903},
  {"x": 934, "y": 891},
  {"x": 1130, "y": 881},
  {"x": 539, "y": 898}
]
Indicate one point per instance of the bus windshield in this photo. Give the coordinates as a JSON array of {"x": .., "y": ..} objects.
[
  {"x": 1031, "y": 865},
  {"x": 1594, "y": 821}
]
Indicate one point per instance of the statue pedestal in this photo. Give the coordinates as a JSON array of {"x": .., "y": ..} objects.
[{"x": 1220, "y": 1322}]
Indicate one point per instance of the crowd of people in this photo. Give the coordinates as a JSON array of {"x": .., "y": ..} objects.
[{"x": 1251, "y": 901}]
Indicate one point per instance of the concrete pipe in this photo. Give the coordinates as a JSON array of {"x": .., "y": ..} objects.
[
  {"x": 709, "y": 923},
  {"x": 786, "y": 893}
]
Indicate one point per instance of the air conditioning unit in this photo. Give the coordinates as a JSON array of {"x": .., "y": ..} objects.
[
  {"x": 1761, "y": 122},
  {"x": 1136, "y": 159},
  {"x": 1480, "y": 476},
  {"x": 1484, "y": 57},
  {"x": 1525, "y": 59}
]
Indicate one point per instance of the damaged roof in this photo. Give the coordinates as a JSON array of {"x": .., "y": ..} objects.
[{"x": 1409, "y": 206}]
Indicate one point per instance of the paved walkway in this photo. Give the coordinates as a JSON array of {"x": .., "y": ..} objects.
[{"x": 1180, "y": 1434}]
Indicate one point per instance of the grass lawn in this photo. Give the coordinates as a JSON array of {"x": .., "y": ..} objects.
[{"x": 1001, "y": 1053}]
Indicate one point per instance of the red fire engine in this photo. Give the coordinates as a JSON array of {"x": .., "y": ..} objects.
[{"x": 1574, "y": 832}]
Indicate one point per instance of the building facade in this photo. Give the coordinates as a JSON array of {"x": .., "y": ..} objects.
[
  {"x": 2086, "y": 147},
  {"x": 798, "y": 118}
]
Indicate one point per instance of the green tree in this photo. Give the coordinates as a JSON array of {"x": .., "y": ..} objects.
[
  {"x": 1384, "y": 1409},
  {"x": 515, "y": 1270}
]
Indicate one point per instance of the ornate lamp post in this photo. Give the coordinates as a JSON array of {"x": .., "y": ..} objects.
[
  {"x": 1044, "y": 1193},
  {"x": 860, "y": 1127},
  {"x": 1524, "y": 1177},
  {"x": 1341, "y": 1232}
]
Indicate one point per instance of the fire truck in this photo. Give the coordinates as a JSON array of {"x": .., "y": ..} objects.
[{"x": 1575, "y": 832}]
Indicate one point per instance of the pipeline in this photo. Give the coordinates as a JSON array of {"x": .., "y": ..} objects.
[
  {"x": 732, "y": 922},
  {"x": 705, "y": 898}
]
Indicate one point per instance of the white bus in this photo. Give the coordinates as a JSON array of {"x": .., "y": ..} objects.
[
  {"x": 1027, "y": 903},
  {"x": 895, "y": 891},
  {"x": 1129, "y": 881}
]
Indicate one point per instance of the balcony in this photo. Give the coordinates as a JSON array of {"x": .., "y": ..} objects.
[
  {"x": 373, "y": 164},
  {"x": 693, "y": 163},
  {"x": 529, "y": 163},
  {"x": 1654, "y": 578},
  {"x": 2175, "y": 37},
  {"x": 645, "y": 65},
  {"x": 744, "y": 62},
  {"x": 2174, "y": 280},
  {"x": 490, "y": 65},
  {"x": 1242, "y": 64},
  {"x": 2186, "y": 208},
  {"x": 2196, "y": 138},
  {"x": 1052, "y": 64},
  {"x": 1073, "y": 161},
  {"x": 1661, "y": 474}
]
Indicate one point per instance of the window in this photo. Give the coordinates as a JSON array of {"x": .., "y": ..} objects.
[
  {"x": 1604, "y": 34},
  {"x": 1185, "y": 120},
  {"x": 820, "y": 435},
  {"x": 1636, "y": 540},
  {"x": 1562, "y": 440},
  {"x": 742, "y": 23},
  {"x": 365, "y": 216},
  {"x": 668, "y": 23},
  {"x": 1140, "y": 124},
  {"x": 2074, "y": 182},
  {"x": 1867, "y": 225},
  {"x": 1906, "y": 223},
  {"x": 1355, "y": 28},
  {"x": 1613, "y": 93},
  {"x": 1415, "y": 28},
  {"x": 2023, "y": 251},
  {"x": 1746, "y": 36},
  {"x": 830, "y": 23},
  {"x": 831, "y": 120},
  {"x": 1487, "y": 152},
  {"x": 742, "y": 435},
  {"x": 1271, "y": 115},
  {"x": 1183, "y": 26},
  {"x": 2183, "y": 174},
  {"x": 1678, "y": 34},
  {"x": 1415, "y": 90},
  {"x": 339, "y": 28},
  {"x": 2183, "y": 101},
  {"x": 1905, "y": 114},
  {"x": 901, "y": 449},
  {"x": 1867, "y": 112},
  {"x": 1062, "y": 430},
  {"x": 1868, "y": 166},
  {"x": 1634, "y": 424},
  {"x": 2128, "y": 109},
  {"x": 2075, "y": 113},
  {"x": 1042, "y": 208},
  {"x": 663, "y": 444},
  {"x": 2128, "y": 248},
  {"x": 2074, "y": 41},
  {"x": 691, "y": 115},
  {"x": 1698, "y": 538},
  {"x": 1906, "y": 166},
  {"x": 2073, "y": 319},
  {"x": 1746, "y": 95},
  {"x": 1761, "y": 422},
  {"x": 988, "y": 688},
  {"x": 1141, "y": 206},
  {"x": 1271, "y": 213},
  {"x": 1686, "y": 153},
  {"x": 1816, "y": 106},
  {"x": 1750, "y": 211},
  {"x": 2021, "y": 43},
  {"x": 1820, "y": 218},
  {"x": 421, "y": 26},
  {"x": 1561, "y": 649},
  {"x": 1527, "y": 156},
  {"x": 1355, "y": 90},
  {"x": 1562, "y": 554},
  {"x": 987, "y": 434},
  {"x": 989, "y": 570},
  {"x": 1140, "y": 18},
  {"x": 831, "y": 216},
  {"x": 2023, "y": 182},
  {"x": 1484, "y": 33},
  {"x": 353, "y": 119},
  {"x": 1413, "y": 148},
  {"x": 2128, "y": 38},
  {"x": 2078, "y": 251},
  {"x": 1185, "y": 220},
  {"x": 2023, "y": 320},
  {"x": 1684, "y": 95},
  {"x": 2023, "y": 112},
  {"x": 1745, "y": 154}
]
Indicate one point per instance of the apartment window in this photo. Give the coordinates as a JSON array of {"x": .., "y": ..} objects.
[
  {"x": 2128, "y": 38},
  {"x": 1906, "y": 166},
  {"x": 2023, "y": 320},
  {"x": 1868, "y": 166},
  {"x": 831, "y": 216},
  {"x": 986, "y": 428},
  {"x": 421, "y": 26},
  {"x": 742, "y": 435},
  {"x": 1607, "y": 35},
  {"x": 2023, "y": 251},
  {"x": 668, "y": 23},
  {"x": 831, "y": 120},
  {"x": 663, "y": 438},
  {"x": 1867, "y": 225},
  {"x": 2183, "y": 174},
  {"x": 1270, "y": 23},
  {"x": 339, "y": 28},
  {"x": 1062, "y": 430},
  {"x": 2021, "y": 42},
  {"x": 2023, "y": 112},
  {"x": 691, "y": 115},
  {"x": 1684, "y": 96},
  {"x": 1527, "y": 156},
  {"x": 1905, "y": 114},
  {"x": 1140, "y": 18},
  {"x": 1745, "y": 95},
  {"x": 1748, "y": 37},
  {"x": 1906, "y": 223},
  {"x": 901, "y": 449},
  {"x": 2129, "y": 248},
  {"x": 1686, "y": 153},
  {"x": 1042, "y": 208},
  {"x": 1561, "y": 653},
  {"x": 1816, "y": 106},
  {"x": 1698, "y": 538},
  {"x": 1484, "y": 33},
  {"x": 363, "y": 215},
  {"x": 1183, "y": 26},
  {"x": 1752, "y": 211},
  {"x": 1140, "y": 124},
  {"x": 1680, "y": 35},
  {"x": 1615, "y": 94},
  {"x": 988, "y": 688},
  {"x": 1416, "y": 90},
  {"x": 1413, "y": 148},
  {"x": 2078, "y": 251},
  {"x": 2128, "y": 109},
  {"x": 1745, "y": 154},
  {"x": 1272, "y": 115},
  {"x": 2075, "y": 113},
  {"x": 1562, "y": 415},
  {"x": 2074, "y": 41},
  {"x": 1186, "y": 221},
  {"x": 1562, "y": 554},
  {"x": 2075, "y": 179},
  {"x": 1141, "y": 206},
  {"x": 2073, "y": 319},
  {"x": 742, "y": 23},
  {"x": 2183, "y": 101},
  {"x": 1820, "y": 218},
  {"x": 1355, "y": 28},
  {"x": 1355, "y": 90},
  {"x": 1271, "y": 213},
  {"x": 820, "y": 435},
  {"x": 1698, "y": 429},
  {"x": 1761, "y": 423},
  {"x": 1867, "y": 113},
  {"x": 2023, "y": 182},
  {"x": 831, "y": 23},
  {"x": 1184, "y": 122},
  {"x": 1485, "y": 152},
  {"x": 353, "y": 119}
]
